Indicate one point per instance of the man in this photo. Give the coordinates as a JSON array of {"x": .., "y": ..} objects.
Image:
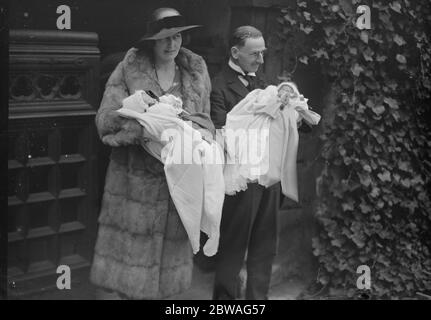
[{"x": 249, "y": 218}]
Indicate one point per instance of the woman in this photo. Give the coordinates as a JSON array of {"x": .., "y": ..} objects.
[{"x": 142, "y": 250}]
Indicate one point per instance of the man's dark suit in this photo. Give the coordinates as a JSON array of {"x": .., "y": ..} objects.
[{"x": 249, "y": 218}]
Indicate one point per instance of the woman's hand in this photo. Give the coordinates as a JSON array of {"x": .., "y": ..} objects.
[
  {"x": 114, "y": 121},
  {"x": 112, "y": 140}
]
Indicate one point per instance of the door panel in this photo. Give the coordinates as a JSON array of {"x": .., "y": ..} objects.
[{"x": 52, "y": 171}]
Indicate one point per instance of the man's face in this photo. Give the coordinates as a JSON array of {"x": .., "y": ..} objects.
[{"x": 250, "y": 56}]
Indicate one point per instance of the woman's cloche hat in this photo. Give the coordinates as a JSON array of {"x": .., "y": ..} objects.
[{"x": 165, "y": 22}]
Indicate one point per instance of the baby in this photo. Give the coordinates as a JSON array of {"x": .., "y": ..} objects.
[
  {"x": 289, "y": 96},
  {"x": 140, "y": 101},
  {"x": 288, "y": 93}
]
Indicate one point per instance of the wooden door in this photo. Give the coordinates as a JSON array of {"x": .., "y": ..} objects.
[{"x": 52, "y": 156}]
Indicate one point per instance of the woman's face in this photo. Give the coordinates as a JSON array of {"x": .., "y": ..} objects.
[{"x": 167, "y": 49}]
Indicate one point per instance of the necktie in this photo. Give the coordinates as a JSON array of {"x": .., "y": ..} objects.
[
  {"x": 250, "y": 79},
  {"x": 251, "y": 82}
]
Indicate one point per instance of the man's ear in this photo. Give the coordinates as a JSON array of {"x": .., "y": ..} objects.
[{"x": 234, "y": 51}]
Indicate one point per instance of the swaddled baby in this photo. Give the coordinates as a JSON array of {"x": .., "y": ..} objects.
[
  {"x": 289, "y": 96},
  {"x": 140, "y": 101}
]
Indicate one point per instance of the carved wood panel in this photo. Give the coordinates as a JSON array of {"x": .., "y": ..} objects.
[{"x": 52, "y": 175}]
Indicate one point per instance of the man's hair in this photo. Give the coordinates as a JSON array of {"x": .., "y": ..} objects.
[{"x": 241, "y": 34}]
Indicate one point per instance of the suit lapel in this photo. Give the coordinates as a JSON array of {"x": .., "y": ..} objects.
[{"x": 234, "y": 83}]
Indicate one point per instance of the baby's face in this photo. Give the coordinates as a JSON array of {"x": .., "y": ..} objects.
[
  {"x": 285, "y": 93},
  {"x": 147, "y": 99},
  {"x": 287, "y": 90}
]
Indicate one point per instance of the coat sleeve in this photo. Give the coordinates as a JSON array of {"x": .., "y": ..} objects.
[
  {"x": 218, "y": 107},
  {"x": 110, "y": 125},
  {"x": 115, "y": 91},
  {"x": 206, "y": 97}
]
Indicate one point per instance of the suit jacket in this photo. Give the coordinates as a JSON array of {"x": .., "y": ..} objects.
[{"x": 227, "y": 91}]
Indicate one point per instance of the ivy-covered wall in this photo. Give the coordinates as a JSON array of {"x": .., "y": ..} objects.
[{"x": 374, "y": 204}]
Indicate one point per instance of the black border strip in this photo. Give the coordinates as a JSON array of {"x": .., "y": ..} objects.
[{"x": 4, "y": 107}]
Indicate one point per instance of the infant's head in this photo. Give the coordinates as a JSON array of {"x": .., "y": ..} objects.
[
  {"x": 171, "y": 100},
  {"x": 288, "y": 91},
  {"x": 146, "y": 98}
]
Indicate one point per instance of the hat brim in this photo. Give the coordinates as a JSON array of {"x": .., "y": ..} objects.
[{"x": 164, "y": 33}]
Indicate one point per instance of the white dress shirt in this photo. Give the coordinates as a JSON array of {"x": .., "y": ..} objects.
[{"x": 238, "y": 69}]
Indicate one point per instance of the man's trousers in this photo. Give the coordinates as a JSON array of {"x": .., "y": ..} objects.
[{"x": 248, "y": 224}]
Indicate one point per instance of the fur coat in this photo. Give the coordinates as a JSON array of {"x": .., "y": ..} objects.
[{"x": 142, "y": 249}]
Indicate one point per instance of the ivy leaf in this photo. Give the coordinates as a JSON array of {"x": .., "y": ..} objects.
[
  {"x": 320, "y": 53},
  {"x": 306, "y": 30},
  {"x": 353, "y": 50},
  {"x": 386, "y": 176},
  {"x": 290, "y": 20},
  {"x": 412, "y": 205},
  {"x": 356, "y": 70},
  {"x": 378, "y": 110},
  {"x": 412, "y": 13},
  {"x": 347, "y": 206},
  {"x": 367, "y": 168},
  {"x": 358, "y": 240},
  {"x": 368, "y": 55},
  {"x": 368, "y": 150},
  {"x": 307, "y": 15},
  {"x": 392, "y": 84},
  {"x": 303, "y": 59},
  {"x": 330, "y": 40},
  {"x": 372, "y": 85},
  {"x": 403, "y": 165},
  {"x": 365, "y": 179},
  {"x": 417, "y": 180},
  {"x": 376, "y": 217},
  {"x": 396, "y": 177},
  {"x": 364, "y": 36},
  {"x": 335, "y": 8},
  {"x": 391, "y": 103},
  {"x": 399, "y": 40},
  {"x": 406, "y": 183},
  {"x": 336, "y": 243},
  {"x": 396, "y": 115},
  {"x": 361, "y": 108},
  {"x": 381, "y": 58},
  {"x": 375, "y": 192},
  {"x": 317, "y": 20},
  {"x": 302, "y": 4},
  {"x": 401, "y": 59},
  {"x": 395, "y": 6},
  {"x": 365, "y": 208}
]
